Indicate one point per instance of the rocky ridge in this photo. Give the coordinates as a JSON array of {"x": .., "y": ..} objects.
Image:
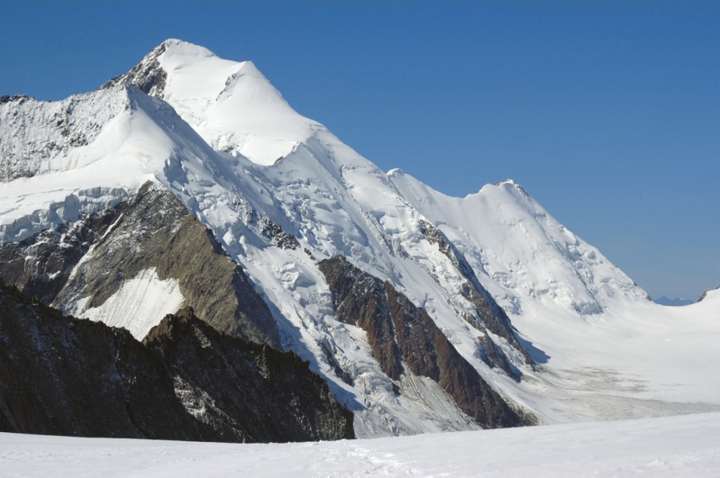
[
  {"x": 79, "y": 267},
  {"x": 403, "y": 336},
  {"x": 61, "y": 375}
]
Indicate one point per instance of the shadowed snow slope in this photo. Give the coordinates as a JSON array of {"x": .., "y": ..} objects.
[
  {"x": 557, "y": 330},
  {"x": 660, "y": 447}
]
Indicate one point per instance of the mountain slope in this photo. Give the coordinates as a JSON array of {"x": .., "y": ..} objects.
[
  {"x": 532, "y": 308},
  {"x": 234, "y": 200},
  {"x": 135, "y": 263},
  {"x": 231, "y": 104},
  {"x": 405, "y": 337},
  {"x": 516, "y": 238},
  {"x": 60, "y": 375}
]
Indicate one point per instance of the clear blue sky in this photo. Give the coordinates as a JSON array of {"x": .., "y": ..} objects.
[{"x": 606, "y": 111}]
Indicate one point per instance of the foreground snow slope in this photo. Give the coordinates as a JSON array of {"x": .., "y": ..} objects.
[{"x": 657, "y": 447}]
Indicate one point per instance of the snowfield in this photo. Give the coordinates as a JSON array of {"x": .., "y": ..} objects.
[{"x": 658, "y": 447}]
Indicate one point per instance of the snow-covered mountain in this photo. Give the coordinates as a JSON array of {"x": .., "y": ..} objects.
[
  {"x": 231, "y": 104},
  {"x": 538, "y": 320}
]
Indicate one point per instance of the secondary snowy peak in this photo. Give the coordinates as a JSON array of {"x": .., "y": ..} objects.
[
  {"x": 526, "y": 255},
  {"x": 36, "y": 137},
  {"x": 231, "y": 104},
  {"x": 68, "y": 158},
  {"x": 183, "y": 48},
  {"x": 120, "y": 127}
]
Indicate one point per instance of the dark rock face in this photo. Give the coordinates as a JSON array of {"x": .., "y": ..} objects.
[
  {"x": 41, "y": 265},
  {"x": 493, "y": 356},
  {"x": 489, "y": 316},
  {"x": 278, "y": 237},
  {"x": 244, "y": 389},
  {"x": 60, "y": 375},
  {"x": 148, "y": 75},
  {"x": 11, "y": 98},
  {"x": 402, "y": 335},
  {"x": 154, "y": 230},
  {"x": 75, "y": 377}
]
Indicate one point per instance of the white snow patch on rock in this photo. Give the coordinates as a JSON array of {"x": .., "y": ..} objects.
[{"x": 139, "y": 304}]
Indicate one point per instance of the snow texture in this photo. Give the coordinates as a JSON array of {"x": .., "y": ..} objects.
[
  {"x": 657, "y": 447},
  {"x": 139, "y": 305},
  {"x": 231, "y": 104}
]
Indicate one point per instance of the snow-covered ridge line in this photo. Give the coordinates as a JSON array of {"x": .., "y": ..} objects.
[
  {"x": 129, "y": 138},
  {"x": 710, "y": 293},
  {"x": 519, "y": 238},
  {"x": 31, "y": 215},
  {"x": 229, "y": 195},
  {"x": 37, "y": 135},
  {"x": 231, "y": 104}
]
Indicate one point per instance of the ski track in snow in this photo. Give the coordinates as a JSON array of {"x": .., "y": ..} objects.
[{"x": 658, "y": 447}]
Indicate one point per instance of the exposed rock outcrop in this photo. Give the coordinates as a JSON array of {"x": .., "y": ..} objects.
[
  {"x": 148, "y": 75},
  {"x": 403, "y": 335},
  {"x": 157, "y": 231},
  {"x": 278, "y": 237},
  {"x": 12, "y": 98},
  {"x": 488, "y": 316},
  {"x": 60, "y": 375},
  {"x": 91, "y": 260},
  {"x": 246, "y": 389},
  {"x": 41, "y": 265}
]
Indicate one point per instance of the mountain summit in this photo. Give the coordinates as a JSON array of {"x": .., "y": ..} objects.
[
  {"x": 231, "y": 104},
  {"x": 189, "y": 181}
]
